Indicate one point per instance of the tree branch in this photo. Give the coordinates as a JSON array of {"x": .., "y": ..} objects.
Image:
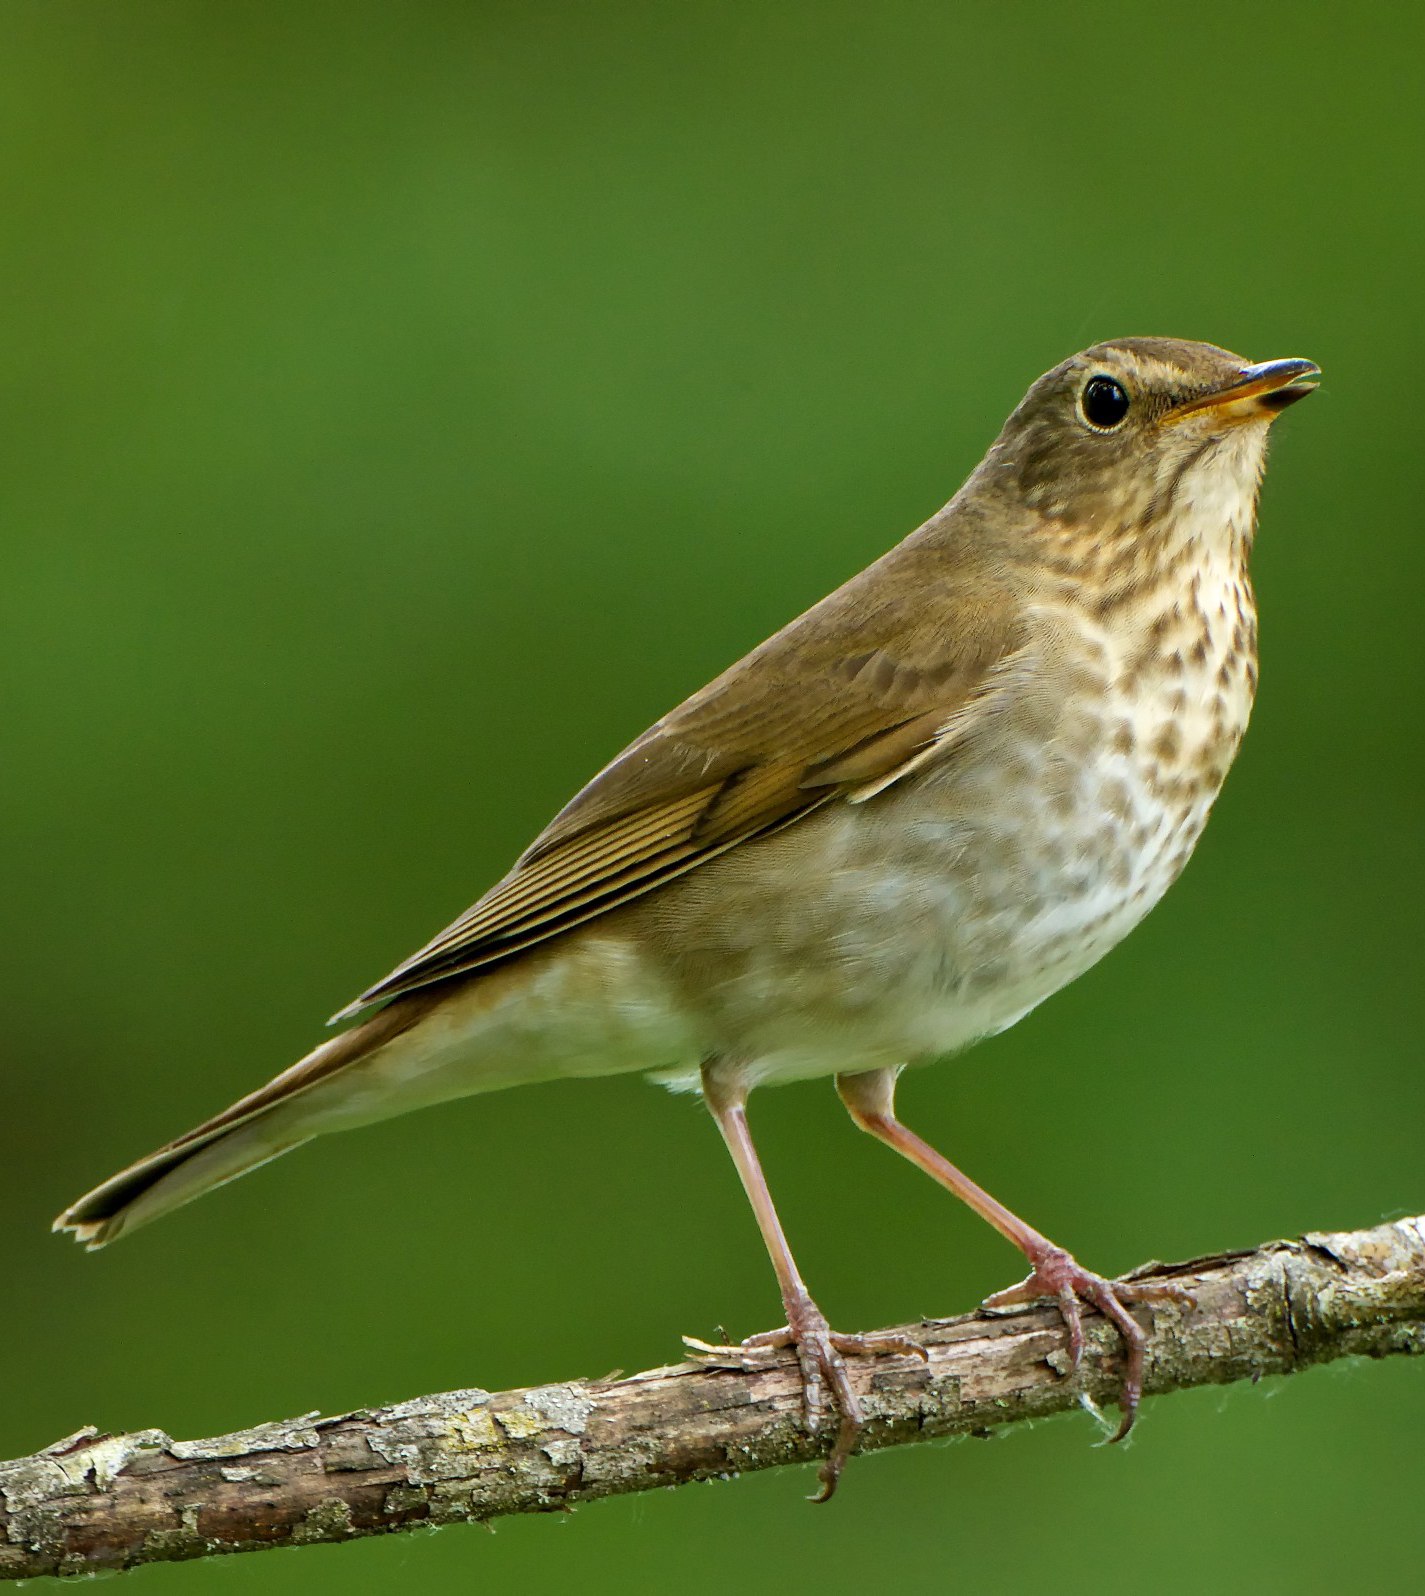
[{"x": 95, "y": 1501}]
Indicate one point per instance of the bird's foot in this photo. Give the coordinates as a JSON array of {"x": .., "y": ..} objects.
[
  {"x": 821, "y": 1354},
  {"x": 1058, "y": 1275}
]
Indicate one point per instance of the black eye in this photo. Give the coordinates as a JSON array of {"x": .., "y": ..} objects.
[{"x": 1104, "y": 402}]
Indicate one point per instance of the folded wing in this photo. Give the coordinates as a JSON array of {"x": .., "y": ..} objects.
[{"x": 837, "y": 706}]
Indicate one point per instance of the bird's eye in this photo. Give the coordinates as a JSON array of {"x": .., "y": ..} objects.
[{"x": 1104, "y": 403}]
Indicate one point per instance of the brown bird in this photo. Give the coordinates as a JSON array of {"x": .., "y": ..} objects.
[{"x": 894, "y": 828}]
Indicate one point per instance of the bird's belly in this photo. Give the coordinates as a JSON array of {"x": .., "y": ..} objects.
[
  {"x": 1058, "y": 881},
  {"x": 911, "y": 926}
]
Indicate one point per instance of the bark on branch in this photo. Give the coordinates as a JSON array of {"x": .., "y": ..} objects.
[{"x": 95, "y": 1501}]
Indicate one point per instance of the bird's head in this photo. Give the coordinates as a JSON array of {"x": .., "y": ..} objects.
[{"x": 1139, "y": 434}]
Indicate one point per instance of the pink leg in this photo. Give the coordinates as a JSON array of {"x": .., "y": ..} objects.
[
  {"x": 819, "y": 1348},
  {"x": 870, "y": 1100}
]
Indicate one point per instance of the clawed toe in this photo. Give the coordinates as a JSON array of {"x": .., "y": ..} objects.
[
  {"x": 1059, "y": 1276},
  {"x": 878, "y": 1344},
  {"x": 1154, "y": 1291},
  {"x": 821, "y": 1353}
]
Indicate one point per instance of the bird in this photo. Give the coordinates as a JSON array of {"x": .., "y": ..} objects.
[{"x": 888, "y": 832}]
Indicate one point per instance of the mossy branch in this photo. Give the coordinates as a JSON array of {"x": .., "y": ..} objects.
[{"x": 94, "y": 1501}]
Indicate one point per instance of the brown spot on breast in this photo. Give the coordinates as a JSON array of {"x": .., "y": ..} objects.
[
  {"x": 1179, "y": 859},
  {"x": 1167, "y": 746},
  {"x": 1210, "y": 768},
  {"x": 1116, "y": 799}
]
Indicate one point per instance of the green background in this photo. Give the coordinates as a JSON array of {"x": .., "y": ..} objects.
[{"x": 403, "y": 405}]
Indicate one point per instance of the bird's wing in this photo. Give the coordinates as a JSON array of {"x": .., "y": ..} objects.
[{"x": 837, "y": 706}]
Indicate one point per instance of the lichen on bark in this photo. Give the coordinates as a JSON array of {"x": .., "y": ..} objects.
[{"x": 92, "y": 1502}]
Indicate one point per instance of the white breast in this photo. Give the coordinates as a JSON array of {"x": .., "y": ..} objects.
[
  {"x": 1086, "y": 835},
  {"x": 948, "y": 907}
]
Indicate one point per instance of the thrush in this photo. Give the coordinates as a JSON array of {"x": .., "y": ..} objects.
[{"x": 891, "y": 830}]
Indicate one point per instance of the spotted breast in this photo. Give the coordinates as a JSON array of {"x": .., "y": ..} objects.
[{"x": 945, "y": 908}]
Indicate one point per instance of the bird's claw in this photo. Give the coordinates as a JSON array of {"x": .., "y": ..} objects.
[
  {"x": 1058, "y": 1275},
  {"x": 821, "y": 1354}
]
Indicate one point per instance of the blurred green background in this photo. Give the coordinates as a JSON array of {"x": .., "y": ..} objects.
[{"x": 405, "y": 404}]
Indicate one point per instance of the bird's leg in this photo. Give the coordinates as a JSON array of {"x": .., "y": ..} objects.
[
  {"x": 818, "y": 1347},
  {"x": 870, "y": 1100}
]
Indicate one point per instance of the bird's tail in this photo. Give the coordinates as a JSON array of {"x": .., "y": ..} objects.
[{"x": 256, "y": 1129}]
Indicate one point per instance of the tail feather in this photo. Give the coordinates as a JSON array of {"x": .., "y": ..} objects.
[
  {"x": 253, "y": 1131},
  {"x": 165, "y": 1181}
]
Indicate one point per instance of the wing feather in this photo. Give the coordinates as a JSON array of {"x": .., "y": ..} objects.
[{"x": 836, "y": 707}]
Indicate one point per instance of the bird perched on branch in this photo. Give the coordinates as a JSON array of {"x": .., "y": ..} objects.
[{"x": 892, "y": 829}]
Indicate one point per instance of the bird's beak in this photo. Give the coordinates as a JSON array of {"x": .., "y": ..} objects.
[{"x": 1262, "y": 390}]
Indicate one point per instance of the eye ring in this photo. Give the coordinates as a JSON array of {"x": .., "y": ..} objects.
[{"x": 1104, "y": 403}]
